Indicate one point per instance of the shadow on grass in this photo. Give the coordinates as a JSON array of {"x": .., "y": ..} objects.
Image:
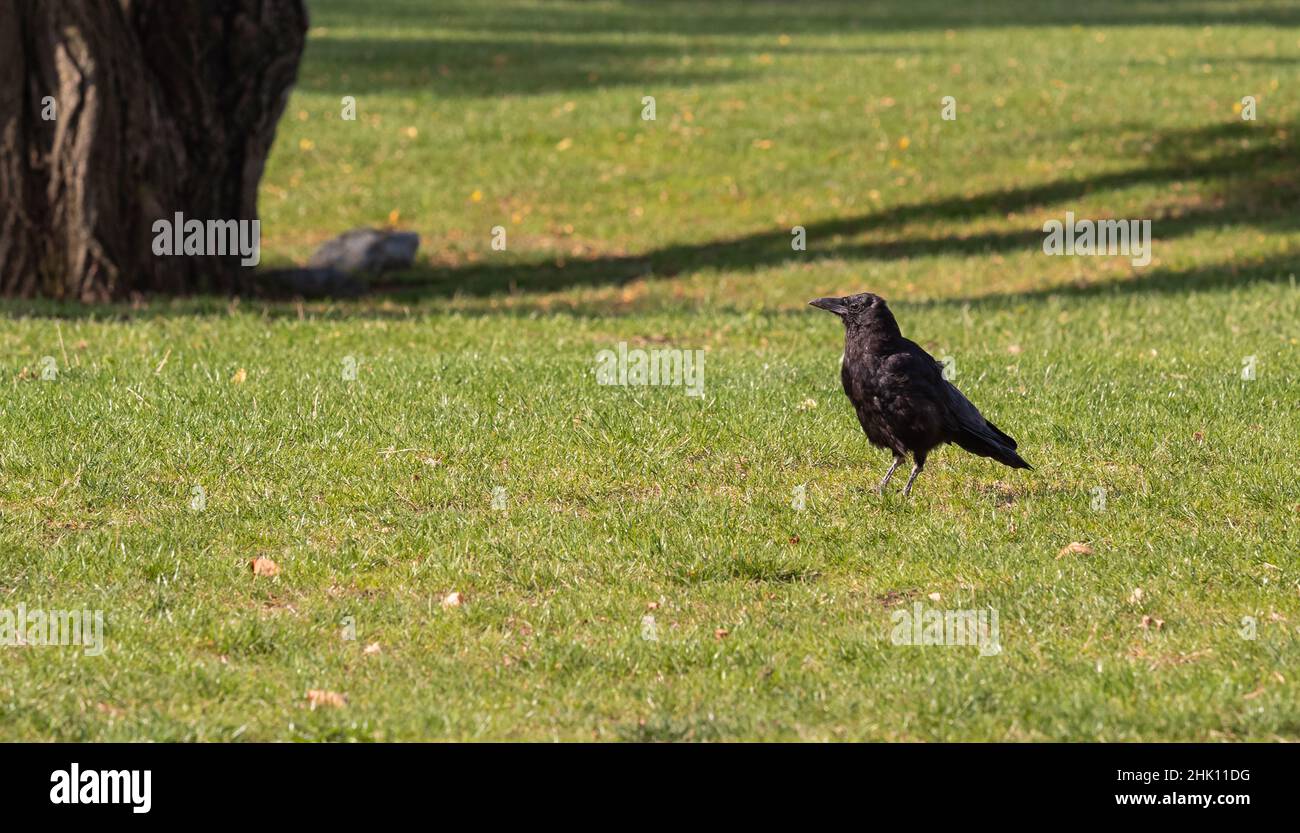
[
  {"x": 482, "y": 67},
  {"x": 1252, "y": 174},
  {"x": 470, "y": 49},
  {"x": 1211, "y": 276},
  {"x": 749, "y": 18},
  {"x": 473, "y": 48}
]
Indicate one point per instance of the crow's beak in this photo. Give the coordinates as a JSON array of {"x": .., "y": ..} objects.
[{"x": 830, "y": 305}]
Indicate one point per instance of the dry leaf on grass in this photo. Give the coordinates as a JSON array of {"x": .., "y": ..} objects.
[
  {"x": 1075, "y": 547},
  {"x": 893, "y": 598},
  {"x": 721, "y": 633},
  {"x": 1152, "y": 623},
  {"x": 372, "y": 648},
  {"x": 319, "y": 697},
  {"x": 264, "y": 567},
  {"x": 108, "y": 709},
  {"x": 1136, "y": 596},
  {"x": 453, "y": 599},
  {"x": 240, "y": 376}
]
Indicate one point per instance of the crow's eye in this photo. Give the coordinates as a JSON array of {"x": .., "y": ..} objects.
[{"x": 856, "y": 306}]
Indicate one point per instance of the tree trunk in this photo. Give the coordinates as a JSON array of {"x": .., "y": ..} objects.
[{"x": 158, "y": 107}]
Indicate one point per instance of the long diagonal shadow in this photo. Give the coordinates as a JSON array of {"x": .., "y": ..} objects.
[
  {"x": 1253, "y": 172},
  {"x": 1255, "y": 178}
]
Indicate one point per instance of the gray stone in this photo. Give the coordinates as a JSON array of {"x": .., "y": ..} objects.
[{"x": 367, "y": 250}]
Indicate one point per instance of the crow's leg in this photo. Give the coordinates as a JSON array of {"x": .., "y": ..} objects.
[
  {"x": 898, "y": 461},
  {"x": 916, "y": 469}
]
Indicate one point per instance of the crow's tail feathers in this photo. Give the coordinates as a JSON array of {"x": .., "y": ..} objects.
[
  {"x": 1003, "y": 436},
  {"x": 992, "y": 443}
]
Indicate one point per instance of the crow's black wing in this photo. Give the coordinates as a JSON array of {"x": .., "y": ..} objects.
[
  {"x": 969, "y": 417},
  {"x": 976, "y": 434}
]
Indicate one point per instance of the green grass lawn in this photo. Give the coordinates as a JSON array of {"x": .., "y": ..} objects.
[{"x": 475, "y": 378}]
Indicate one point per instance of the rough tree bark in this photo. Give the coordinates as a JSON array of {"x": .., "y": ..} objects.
[{"x": 161, "y": 106}]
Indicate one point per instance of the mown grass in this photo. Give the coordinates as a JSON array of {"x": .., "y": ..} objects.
[{"x": 475, "y": 372}]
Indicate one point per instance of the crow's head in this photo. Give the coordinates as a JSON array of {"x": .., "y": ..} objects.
[{"x": 865, "y": 311}]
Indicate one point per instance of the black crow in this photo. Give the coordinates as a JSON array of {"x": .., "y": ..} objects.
[{"x": 903, "y": 401}]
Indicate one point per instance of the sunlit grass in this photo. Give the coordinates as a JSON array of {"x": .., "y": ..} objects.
[{"x": 475, "y": 373}]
